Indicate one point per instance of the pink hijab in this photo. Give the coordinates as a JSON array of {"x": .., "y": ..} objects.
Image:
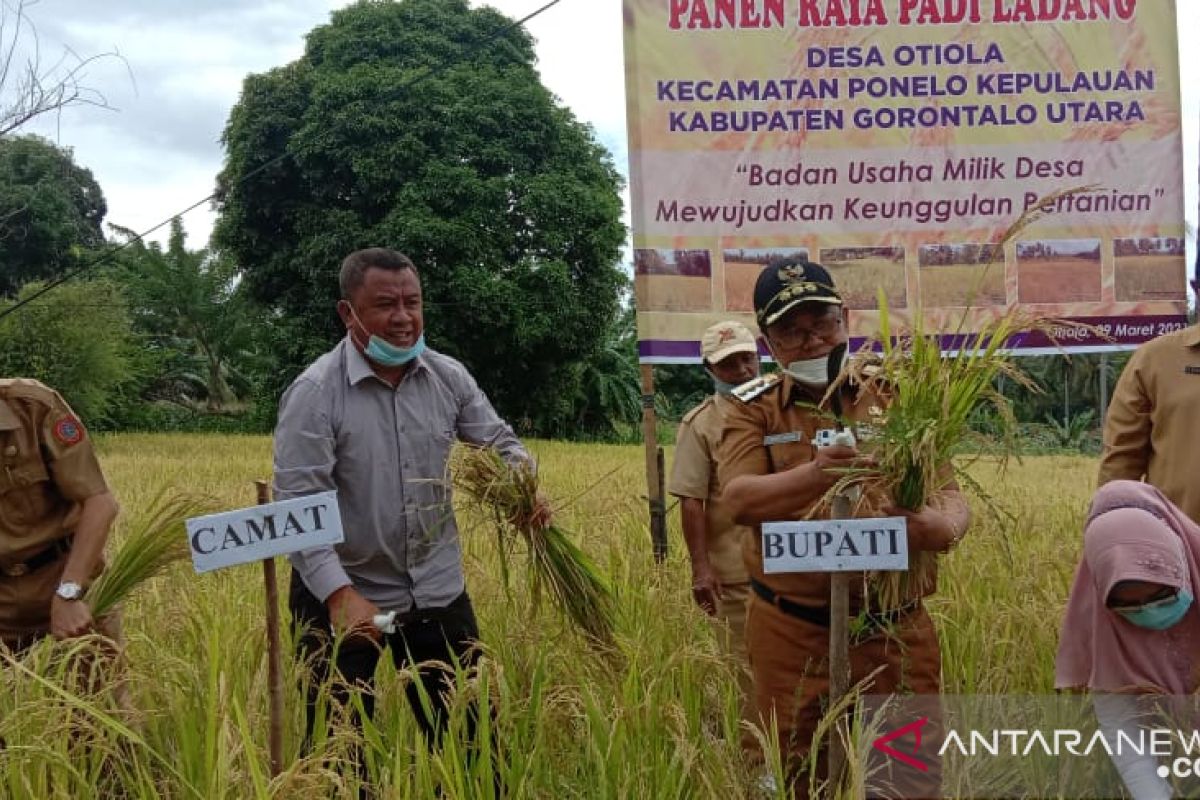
[{"x": 1133, "y": 532}]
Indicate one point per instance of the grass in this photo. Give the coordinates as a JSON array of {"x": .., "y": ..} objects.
[{"x": 568, "y": 724}]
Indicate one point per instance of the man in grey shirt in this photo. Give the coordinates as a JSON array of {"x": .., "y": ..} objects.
[{"x": 374, "y": 419}]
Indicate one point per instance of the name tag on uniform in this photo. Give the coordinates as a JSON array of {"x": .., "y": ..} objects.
[
  {"x": 783, "y": 438},
  {"x": 1193, "y": 370}
]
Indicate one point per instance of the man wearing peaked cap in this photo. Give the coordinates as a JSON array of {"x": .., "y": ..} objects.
[
  {"x": 772, "y": 467},
  {"x": 714, "y": 541}
]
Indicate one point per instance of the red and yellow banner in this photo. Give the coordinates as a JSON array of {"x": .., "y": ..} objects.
[{"x": 896, "y": 142}]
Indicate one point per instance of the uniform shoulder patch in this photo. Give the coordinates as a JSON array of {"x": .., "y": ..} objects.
[
  {"x": 68, "y": 430},
  {"x": 695, "y": 412},
  {"x": 752, "y": 390}
]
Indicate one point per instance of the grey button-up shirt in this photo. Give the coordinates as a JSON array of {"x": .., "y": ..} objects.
[{"x": 385, "y": 451}]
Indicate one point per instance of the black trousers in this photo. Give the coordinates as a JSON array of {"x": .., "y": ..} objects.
[{"x": 436, "y": 634}]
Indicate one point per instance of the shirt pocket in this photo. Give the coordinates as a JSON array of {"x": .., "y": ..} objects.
[
  {"x": 786, "y": 455},
  {"x": 26, "y": 496}
]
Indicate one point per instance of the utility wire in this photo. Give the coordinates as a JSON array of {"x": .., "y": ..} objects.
[{"x": 107, "y": 255}]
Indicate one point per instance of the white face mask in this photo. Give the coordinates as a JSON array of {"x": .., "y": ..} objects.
[{"x": 813, "y": 372}]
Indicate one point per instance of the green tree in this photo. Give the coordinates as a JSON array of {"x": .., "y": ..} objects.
[
  {"x": 422, "y": 125},
  {"x": 189, "y": 304},
  {"x": 76, "y": 339},
  {"x": 50, "y": 210}
]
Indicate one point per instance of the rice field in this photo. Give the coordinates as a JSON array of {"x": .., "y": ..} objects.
[
  {"x": 660, "y": 721},
  {"x": 673, "y": 292},
  {"x": 740, "y": 277},
  {"x": 963, "y": 285},
  {"x": 1058, "y": 280},
  {"x": 1141, "y": 278},
  {"x": 859, "y": 280}
]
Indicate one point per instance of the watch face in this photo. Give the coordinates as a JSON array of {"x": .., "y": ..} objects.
[{"x": 69, "y": 590}]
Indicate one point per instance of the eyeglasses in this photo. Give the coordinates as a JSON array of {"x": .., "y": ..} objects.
[
  {"x": 789, "y": 334},
  {"x": 1165, "y": 597}
]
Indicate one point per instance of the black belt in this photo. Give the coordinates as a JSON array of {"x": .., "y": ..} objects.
[
  {"x": 38, "y": 559},
  {"x": 819, "y": 615}
]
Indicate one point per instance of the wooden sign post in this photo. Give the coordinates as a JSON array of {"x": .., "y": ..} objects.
[
  {"x": 654, "y": 468},
  {"x": 274, "y": 650},
  {"x": 261, "y": 533},
  {"x": 838, "y": 546}
]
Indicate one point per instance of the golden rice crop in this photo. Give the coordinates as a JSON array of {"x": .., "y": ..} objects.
[{"x": 565, "y": 723}]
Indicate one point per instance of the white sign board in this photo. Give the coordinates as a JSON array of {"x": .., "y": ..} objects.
[
  {"x": 841, "y": 545},
  {"x": 260, "y": 532}
]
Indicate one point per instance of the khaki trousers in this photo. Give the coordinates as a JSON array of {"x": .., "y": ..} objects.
[{"x": 789, "y": 659}]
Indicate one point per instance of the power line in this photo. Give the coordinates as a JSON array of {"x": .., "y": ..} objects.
[{"x": 107, "y": 255}]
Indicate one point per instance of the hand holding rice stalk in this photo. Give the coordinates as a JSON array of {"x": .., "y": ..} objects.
[
  {"x": 510, "y": 495},
  {"x": 931, "y": 402},
  {"x": 157, "y": 540}
]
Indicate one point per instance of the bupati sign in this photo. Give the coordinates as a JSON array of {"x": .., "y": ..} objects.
[
  {"x": 846, "y": 545},
  {"x": 260, "y": 532},
  {"x": 896, "y": 142}
]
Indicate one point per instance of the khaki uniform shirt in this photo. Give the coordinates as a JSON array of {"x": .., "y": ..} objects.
[
  {"x": 694, "y": 475},
  {"x": 774, "y": 432},
  {"x": 48, "y": 469},
  {"x": 1152, "y": 431}
]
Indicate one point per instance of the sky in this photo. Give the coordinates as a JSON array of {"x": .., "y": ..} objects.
[{"x": 182, "y": 63}]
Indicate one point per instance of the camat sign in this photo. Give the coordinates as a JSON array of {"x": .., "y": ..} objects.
[{"x": 260, "y": 532}]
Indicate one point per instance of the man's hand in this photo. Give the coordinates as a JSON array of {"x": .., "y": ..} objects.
[
  {"x": 833, "y": 462},
  {"x": 69, "y": 618},
  {"x": 352, "y": 614},
  {"x": 543, "y": 515},
  {"x": 706, "y": 588},
  {"x": 929, "y": 529}
]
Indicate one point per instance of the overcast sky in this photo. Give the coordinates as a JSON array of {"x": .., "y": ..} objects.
[{"x": 184, "y": 61}]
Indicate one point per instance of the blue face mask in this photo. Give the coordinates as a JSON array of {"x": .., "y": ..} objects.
[
  {"x": 386, "y": 354},
  {"x": 1160, "y": 617}
]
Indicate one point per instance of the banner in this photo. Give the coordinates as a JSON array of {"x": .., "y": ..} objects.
[{"x": 897, "y": 142}]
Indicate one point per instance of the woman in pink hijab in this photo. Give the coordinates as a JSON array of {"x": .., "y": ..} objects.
[{"x": 1131, "y": 626}]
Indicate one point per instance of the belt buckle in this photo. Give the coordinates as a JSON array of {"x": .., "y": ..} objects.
[{"x": 16, "y": 570}]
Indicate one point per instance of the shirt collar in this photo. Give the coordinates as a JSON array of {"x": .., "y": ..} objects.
[
  {"x": 358, "y": 368},
  {"x": 8, "y": 419}
]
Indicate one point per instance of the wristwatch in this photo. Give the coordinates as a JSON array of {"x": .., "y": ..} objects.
[{"x": 69, "y": 590}]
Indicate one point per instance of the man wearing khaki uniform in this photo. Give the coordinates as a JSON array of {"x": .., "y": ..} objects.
[
  {"x": 719, "y": 582},
  {"x": 773, "y": 468},
  {"x": 55, "y": 514},
  {"x": 1153, "y": 423}
]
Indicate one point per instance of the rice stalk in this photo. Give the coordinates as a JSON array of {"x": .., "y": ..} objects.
[
  {"x": 509, "y": 495},
  {"x": 158, "y": 539},
  {"x": 931, "y": 398}
]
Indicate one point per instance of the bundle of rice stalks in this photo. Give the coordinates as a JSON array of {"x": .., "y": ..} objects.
[
  {"x": 156, "y": 540},
  {"x": 932, "y": 398},
  {"x": 932, "y": 401},
  {"x": 509, "y": 495}
]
